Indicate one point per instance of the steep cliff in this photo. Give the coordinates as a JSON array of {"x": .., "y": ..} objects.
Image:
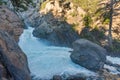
[
  {"x": 13, "y": 62},
  {"x": 89, "y": 19}
]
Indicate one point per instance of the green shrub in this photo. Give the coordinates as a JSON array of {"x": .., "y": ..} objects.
[
  {"x": 106, "y": 18},
  {"x": 43, "y": 5},
  {"x": 87, "y": 20},
  {"x": 107, "y": 21},
  {"x": 99, "y": 34},
  {"x": 74, "y": 26},
  {"x": 73, "y": 14}
]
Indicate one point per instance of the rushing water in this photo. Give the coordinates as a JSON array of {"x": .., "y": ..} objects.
[
  {"x": 46, "y": 60},
  {"x": 114, "y": 60}
]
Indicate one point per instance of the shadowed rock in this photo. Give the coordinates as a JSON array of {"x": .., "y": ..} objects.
[
  {"x": 13, "y": 59},
  {"x": 58, "y": 32},
  {"x": 13, "y": 62}
]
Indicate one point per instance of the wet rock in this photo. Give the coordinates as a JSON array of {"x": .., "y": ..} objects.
[
  {"x": 77, "y": 77},
  {"x": 88, "y": 54},
  {"x": 57, "y": 77}
]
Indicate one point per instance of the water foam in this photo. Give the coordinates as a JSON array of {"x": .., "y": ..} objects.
[{"x": 46, "y": 60}]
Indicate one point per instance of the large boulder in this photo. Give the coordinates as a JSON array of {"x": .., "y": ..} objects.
[
  {"x": 10, "y": 22},
  {"x": 58, "y": 32},
  {"x": 13, "y": 62},
  {"x": 88, "y": 54}
]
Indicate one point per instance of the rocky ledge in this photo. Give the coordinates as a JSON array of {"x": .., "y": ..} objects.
[
  {"x": 13, "y": 62},
  {"x": 56, "y": 31}
]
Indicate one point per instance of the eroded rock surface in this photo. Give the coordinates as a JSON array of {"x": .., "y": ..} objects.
[
  {"x": 10, "y": 22},
  {"x": 58, "y": 32},
  {"x": 13, "y": 62}
]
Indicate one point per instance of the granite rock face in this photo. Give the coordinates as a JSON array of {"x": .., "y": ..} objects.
[
  {"x": 13, "y": 59},
  {"x": 13, "y": 62},
  {"x": 10, "y": 22},
  {"x": 58, "y": 32}
]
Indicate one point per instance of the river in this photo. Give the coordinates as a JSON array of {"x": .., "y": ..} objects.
[{"x": 46, "y": 60}]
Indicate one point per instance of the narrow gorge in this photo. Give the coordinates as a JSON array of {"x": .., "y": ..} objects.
[{"x": 59, "y": 40}]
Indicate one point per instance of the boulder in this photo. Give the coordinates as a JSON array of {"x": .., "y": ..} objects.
[
  {"x": 58, "y": 32},
  {"x": 10, "y": 22},
  {"x": 57, "y": 77},
  {"x": 77, "y": 77},
  {"x": 88, "y": 54},
  {"x": 13, "y": 60}
]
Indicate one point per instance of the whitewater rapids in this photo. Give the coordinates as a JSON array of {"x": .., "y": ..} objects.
[{"x": 46, "y": 60}]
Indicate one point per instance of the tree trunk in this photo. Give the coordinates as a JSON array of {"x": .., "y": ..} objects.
[{"x": 110, "y": 24}]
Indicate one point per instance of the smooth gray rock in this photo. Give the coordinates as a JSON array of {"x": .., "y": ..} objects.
[{"x": 88, "y": 54}]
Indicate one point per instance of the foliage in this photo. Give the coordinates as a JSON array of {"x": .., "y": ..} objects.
[
  {"x": 106, "y": 17},
  {"x": 74, "y": 26},
  {"x": 73, "y": 14},
  {"x": 87, "y": 20},
  {"x": 99, "y": 33},
  {"x": 107, "y": 21},
  {"x": 115, "y": 48},
  {"x": 43, "y": 5},
  {"x": 96, "y": 35},
  {"x": 88, "y": 5}
]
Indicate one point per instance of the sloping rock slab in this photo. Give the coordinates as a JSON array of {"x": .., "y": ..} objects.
[
  {"x": 14, "y": 60},
  {"x": 10, "y": 22}
]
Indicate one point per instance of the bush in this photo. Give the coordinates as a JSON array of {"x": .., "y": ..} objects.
[
  {"x": 106, "y": 17},
  {"x": 43, "y": 5},
  {"x": 87, "y": 20},
  {"x": 73, "y": 14},
  {"x": 74, "y": 26},
  {"x": 107, "y": 21}
]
